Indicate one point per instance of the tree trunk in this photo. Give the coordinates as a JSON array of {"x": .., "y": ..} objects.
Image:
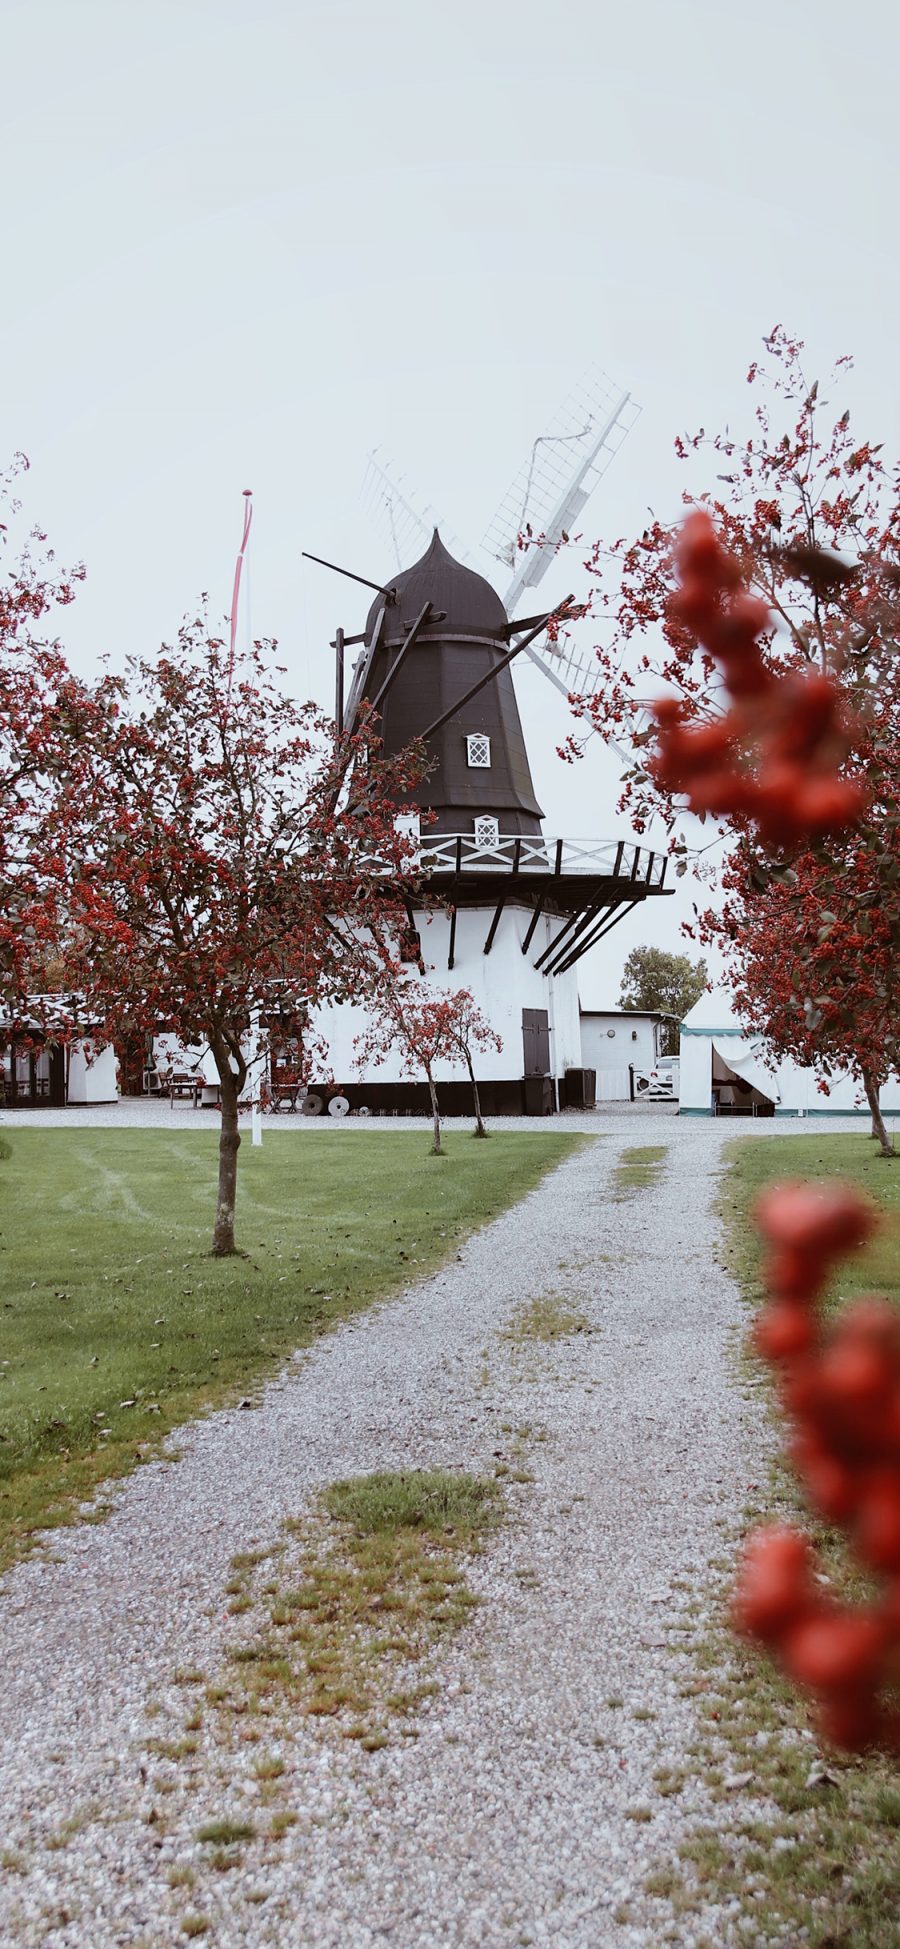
[
  {"x": 879, "y": 1127},
  {"x": 436, "y": 1150},
  {"x": 223, "y": 1245},
  {"x": 480, "y": 1130}
]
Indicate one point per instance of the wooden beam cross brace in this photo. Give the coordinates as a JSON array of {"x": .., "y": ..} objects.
[
  {"x": 494, "y": 923},
  {"x": 400, "y": 658}
]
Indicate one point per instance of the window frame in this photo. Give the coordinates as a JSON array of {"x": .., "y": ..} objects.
[
  {"x": 481, "y": 838},
  {"x": 478, "y": 738}
]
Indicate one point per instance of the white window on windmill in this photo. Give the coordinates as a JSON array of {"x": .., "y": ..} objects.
[
  {"x": 478, "y": 751},
  {"x": 487, "y": 833}
]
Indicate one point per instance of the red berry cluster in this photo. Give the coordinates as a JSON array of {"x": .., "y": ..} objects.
[
  {"x": 841, "y": 1388},
  {"x": 774, "y": 757}
]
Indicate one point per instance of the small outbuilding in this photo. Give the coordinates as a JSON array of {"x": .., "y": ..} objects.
[
  {"x": 725, "y": 1071},
  {"x": 618, "y": 1044},
  {"x": 44, "y": 1066}
]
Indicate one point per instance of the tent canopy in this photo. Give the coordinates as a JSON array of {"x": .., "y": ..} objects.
[
  {"x": 744, "y": 1059},
  {"x": 712, "y": 1029}
]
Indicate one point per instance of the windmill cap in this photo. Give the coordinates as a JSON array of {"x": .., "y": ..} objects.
[{"x": 471, "y": 607}]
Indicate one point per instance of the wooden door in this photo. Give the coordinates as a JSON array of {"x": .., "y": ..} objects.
[{"x": 536, "y": 1041}]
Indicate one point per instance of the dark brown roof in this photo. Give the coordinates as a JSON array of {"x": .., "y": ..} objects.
[{"x": 469, "y": 603}]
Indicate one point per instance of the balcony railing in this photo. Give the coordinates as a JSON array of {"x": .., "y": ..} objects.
[{"x": 512, "y": 853}]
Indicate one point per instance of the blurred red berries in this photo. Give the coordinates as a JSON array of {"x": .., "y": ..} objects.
[
  {"x": 775, "y": 755},
  {"x": 841, "y": 1387}
]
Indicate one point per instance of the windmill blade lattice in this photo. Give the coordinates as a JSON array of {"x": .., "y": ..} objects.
[
  {"x": 550, "y": 490},
  {"x": 558, "y": 478},
  {"x": 408, "y": 522}
]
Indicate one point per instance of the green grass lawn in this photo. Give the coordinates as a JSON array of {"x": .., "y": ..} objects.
[
  {"x": 115, "y": 1324},
  {"x": 754, "y": 1165},
  {"x": 837, "y": 1876}
]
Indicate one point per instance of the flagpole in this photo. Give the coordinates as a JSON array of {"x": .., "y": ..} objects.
[{"x": 243, "y": 563}]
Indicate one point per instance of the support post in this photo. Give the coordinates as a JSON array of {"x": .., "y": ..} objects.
[
  {"x": 535, "y": 917},
  {"x": 453, "y": 710},
  {"x": 618, "y": 913},
  {"x": 338, "y": 682},
  {"x": 586, "y": 920},
  {"x": 256, "y": 1082},
  {"x": 494, "y": 923},
  {"x": 549, "y": 953},
  {"x": 400, "y": 658}
]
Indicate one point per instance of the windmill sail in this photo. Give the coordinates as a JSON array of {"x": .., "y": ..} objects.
[
  {"x": 558, "y": 478},
  {"x": 550, "y": 491},
  {"x": 543, "y": 504},
  {"x": 407, "y": 524}
]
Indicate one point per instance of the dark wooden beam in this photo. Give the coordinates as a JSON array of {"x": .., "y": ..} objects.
[
  {"x": 495, "y": 923},
  {"x": 538, "y": 908},
  {"x": 351, "y": 577},
  {"x": 410, "y": 915},
  {"x": 451, "y": 952},
  {"x": 613, "y": 918},
  {"x": 400, "y": 658},
  {"x": 585, "y": 920},
  {"x": 338, "y": 681},
  {"x": 550, "y": 950},
  {"x": 360, "y": 678},
  {"x": 505, "y": 661},
  {"x": 525, "y": 622}
]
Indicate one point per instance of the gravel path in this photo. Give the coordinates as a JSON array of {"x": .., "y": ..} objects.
[{"x": 506, "y": 1821}]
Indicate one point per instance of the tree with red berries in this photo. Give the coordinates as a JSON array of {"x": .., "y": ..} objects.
[
  {"x": 770, "y": 619},
  {"x": 221, "y": 857},
  {"x": 35, "y": 690},
  {"x": 426, "y": 1028},
  {"x": 772, "y": 764},
  {"x": 468, "y": 1031},
  {"x": 683, "y": 606},
  {"x": 814, "y": 949}
]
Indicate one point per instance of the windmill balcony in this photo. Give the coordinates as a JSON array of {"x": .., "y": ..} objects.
[
  {"x": 518, "y": 853},
  {"x": 592, "y": 883}
]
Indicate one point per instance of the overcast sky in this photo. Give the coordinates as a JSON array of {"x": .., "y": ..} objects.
[{"x": 244, "y": 244}]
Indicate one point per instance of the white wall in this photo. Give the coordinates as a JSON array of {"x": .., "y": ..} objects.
[
  {"x": 92, "y": 1073},
  {"x": 613, "y": 1085},
  {"x": 610, "y": 1042},
  {"x": 502, "y": 984},
  {"x": 696, "y": 1073}
]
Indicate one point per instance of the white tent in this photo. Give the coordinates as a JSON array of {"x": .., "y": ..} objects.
[{"x": 725, "y": 1070}]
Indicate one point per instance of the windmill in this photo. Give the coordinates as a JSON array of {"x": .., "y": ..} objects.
[
  {"x": 547, "y": 495},
  {"x": 504, "y": 908}
]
